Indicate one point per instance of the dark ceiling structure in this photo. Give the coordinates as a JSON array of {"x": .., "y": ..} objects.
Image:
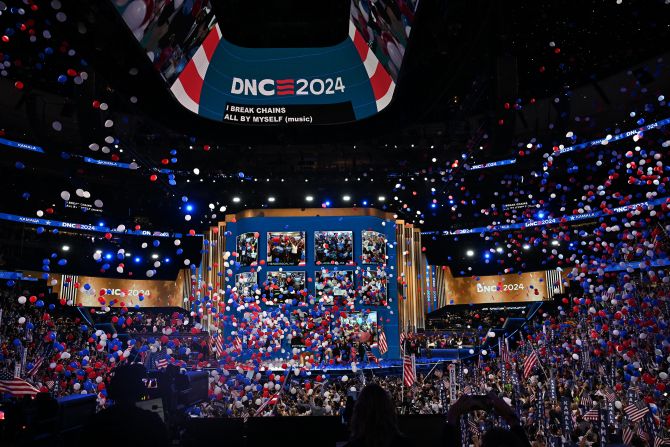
[{"x": 481, "y": 81}]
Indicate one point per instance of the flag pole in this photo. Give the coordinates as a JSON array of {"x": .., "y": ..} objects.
[
  {"x": 432, "y": 369},
  {"x": 539, "y": 360}
]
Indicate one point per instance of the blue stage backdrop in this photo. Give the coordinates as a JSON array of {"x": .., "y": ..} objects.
[{"x": 387, "y": 316}]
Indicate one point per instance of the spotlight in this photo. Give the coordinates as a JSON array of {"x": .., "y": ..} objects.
[
  {"x": 327, "y": 203},
  {"x": 499, "y": 249},
  {"x": 167, "y": 260},
  {"x": 65, "y": 248},
  {"x": 108, "y": 256},
  {"x": 526, "y": 247},
  {"x": 101, "y": 224},
  {"x": 309, "y": 198},
  {"x": 189, "y": 207},
  {"x": 271, "y": 199},
  {"x": 555, "y": 243},
  {"x": 470, "y": 253},
  {"x": 381, "y": 198},
  {"x": 346, "y": 198},
  {"x": 236, "y": 199},
  {"x": 487, "y": 255},
  {"x": 365, "y": 203},
  {"x": 154, "y": 256},
  {"x": 137, "y": 259}
]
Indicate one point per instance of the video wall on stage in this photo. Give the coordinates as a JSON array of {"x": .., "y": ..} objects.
[
  {"x": 510, "y": 288},
  {"x": 292, "y": 263}
]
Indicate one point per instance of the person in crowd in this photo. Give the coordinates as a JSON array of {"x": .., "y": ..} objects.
[
  {"x": 494, "y": 437},
  {"x": 145, "y": 428},
  {"x": 373, "y": 423}
]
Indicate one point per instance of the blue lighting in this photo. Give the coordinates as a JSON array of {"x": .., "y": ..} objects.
[
  {"x": 137, "y": 259},
  {"x": 189, "y": 207},
  {"x": 487, "y": 255},
  {"x": 108, "y": 256},
  {"x": 365, "y": 203},
  {"x": 167, "y": 259},
  {"x": 540, "y": 214},
  {"x": 101, "y": 223},
  {"x": 433, "y": 205},
  {"x": 327, "y": 203}
]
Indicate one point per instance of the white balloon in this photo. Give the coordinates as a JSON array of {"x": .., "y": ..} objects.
[
  {"x": 65, "y": 195},
  {"x": 134, "y": 14},
  {"x": 22, "y": 300},
  {"x": 22, "y": 320}
]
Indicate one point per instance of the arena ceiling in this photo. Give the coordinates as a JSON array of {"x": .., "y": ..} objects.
[{"x": 481, "y": 81}]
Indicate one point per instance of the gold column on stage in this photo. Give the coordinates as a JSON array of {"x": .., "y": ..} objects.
[
  {"x": 411, "y": 267},
  {"x": 214, "y": 248}
]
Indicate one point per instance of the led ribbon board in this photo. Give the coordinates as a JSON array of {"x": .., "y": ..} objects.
[
  {"x": 278, "y": 86},
  {"x": 548, "y": 221}
]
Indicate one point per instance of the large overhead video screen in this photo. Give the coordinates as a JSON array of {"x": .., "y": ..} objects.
[{"x": 227, "y": 82}]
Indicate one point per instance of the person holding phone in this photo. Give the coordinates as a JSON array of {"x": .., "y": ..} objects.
[{"x": 494, "y": 437}]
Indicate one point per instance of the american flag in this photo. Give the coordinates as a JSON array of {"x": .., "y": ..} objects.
[
  {"x": 409, "y": 370},
  {"x": 586, "y": 401},
  {"x": 162, "y": 361},
  {"x": 473, "y": 428},
  {"x": 591, "y": 415},
  {"x": 15, "y": 385},
  {"x": 237, "y": 343},
  {"x": 636, "y": 411},
  {"x": 383, "y": 345},
  {"x": 609, "y": 394},
  {"x": 660, "y": 440},
  {"x": 529, "y": 363},
  {"x": 642, "y": 433},
  {"x": 371, "y": 356},
  {"x": 627, "y": 434},
  {"x": 402, "y": 343},
  {"x": 271, "y": 401},
  {"x": 504, "y": 353},
  {"x": 36, "y": 366},
  {"x": 218, "y": 344}
]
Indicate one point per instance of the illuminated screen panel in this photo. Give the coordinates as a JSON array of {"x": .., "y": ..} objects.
[
  {"x": 359, "y": 326},
  {"x": 215, "y": 79},
  {"x": 512, "y": 288},
  {"x": 129, "y": 292}
]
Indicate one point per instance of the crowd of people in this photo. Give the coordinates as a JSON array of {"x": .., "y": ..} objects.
[
  {"x": 333, "y": 247},
  {"x": 604, "y": 349},
  {"x": 286, "y": 248}
]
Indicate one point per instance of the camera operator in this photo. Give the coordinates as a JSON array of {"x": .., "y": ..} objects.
[{"x": 141, "y": 426}]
